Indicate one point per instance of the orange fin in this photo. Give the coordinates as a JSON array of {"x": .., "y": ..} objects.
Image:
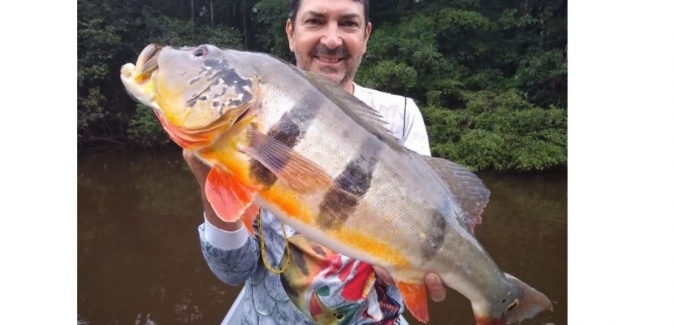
[
  {"x": 229, "y": 197},
  {"x": 249, "y": 216},
  {"x": 293, "y": 169},
  {"x": 414, "y": 296}
]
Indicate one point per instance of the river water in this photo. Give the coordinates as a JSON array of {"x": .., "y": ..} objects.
[{"x": 139, "y": 260}]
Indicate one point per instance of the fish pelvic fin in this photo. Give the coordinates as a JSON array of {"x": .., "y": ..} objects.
[
  {"x": 528, "y": 303},
  {"x": 293, "y": 169},
  {"x": 248, "y": 217},
  {"x": 231, "y": 199},
  {"x": 414, "y": 296},
  {"x": 468, "y": 189}
]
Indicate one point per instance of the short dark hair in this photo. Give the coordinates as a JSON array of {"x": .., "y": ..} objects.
[{"x": 295, "y": 4}]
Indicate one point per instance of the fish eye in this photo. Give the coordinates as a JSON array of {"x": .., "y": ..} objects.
[{"x": 200, "y": 51}]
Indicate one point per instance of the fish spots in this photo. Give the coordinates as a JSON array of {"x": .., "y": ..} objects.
[
  {"x": 289, "y": 130},
  {"x": 223, "y": 84},
  {"x": 352, "y": 184},
  {"x": 436, "y": 236},
  {"x": 231, "y": 80}
]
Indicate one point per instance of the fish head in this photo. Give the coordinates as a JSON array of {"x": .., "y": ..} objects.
[
  {"x": 520, "y": 302},
  {"x": 196, "y": 92}
]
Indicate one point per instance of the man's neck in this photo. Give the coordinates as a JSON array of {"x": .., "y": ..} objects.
[{"x": 349, "y": 87}]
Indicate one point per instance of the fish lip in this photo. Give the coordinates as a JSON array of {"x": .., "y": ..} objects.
[{"x": 148, "y": 59}]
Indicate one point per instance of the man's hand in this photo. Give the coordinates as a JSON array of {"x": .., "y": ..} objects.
[
  {"x": 198, "y": 168},
  {"x": 200, "y": 171},
  {"x": 436, "y": 289}
]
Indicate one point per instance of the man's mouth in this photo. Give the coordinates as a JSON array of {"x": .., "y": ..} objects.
[{"x": 328, "y": 60}]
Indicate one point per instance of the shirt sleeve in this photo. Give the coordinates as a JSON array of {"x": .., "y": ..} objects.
[
  {"x": 415, "y": 136},
  {"x": 232, "y": 256}
]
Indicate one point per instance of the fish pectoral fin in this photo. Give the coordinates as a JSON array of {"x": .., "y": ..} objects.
[
  {"x": 414, "y": 296},
  {"x": 231, "y": 200},
  {"x": 293, "y": 169},
  {"x": 468, "y": 189}
]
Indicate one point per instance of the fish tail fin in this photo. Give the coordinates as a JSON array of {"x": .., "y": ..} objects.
[
  {"x": 414, "y": 296},
  {"x": 527, "y": 303},
  {"x": 531, "y": 302}
]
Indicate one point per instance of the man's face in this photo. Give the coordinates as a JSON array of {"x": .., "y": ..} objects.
[{"x": 329, "y": 37}]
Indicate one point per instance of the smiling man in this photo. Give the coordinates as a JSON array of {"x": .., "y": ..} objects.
[
  {"x": 288, "y": 279},
  {"x": 329, "y": 37}
]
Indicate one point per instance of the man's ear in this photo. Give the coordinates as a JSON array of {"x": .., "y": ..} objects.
[
  {"x": 290, "y": 35},
  {"x": 368, "y": 30}
]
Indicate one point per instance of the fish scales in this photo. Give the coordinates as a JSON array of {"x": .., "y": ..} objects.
[
  {"x": 324, "y": 163},
  {"x": 357, "y": 214},
  {"x": 355, "y": 175}
]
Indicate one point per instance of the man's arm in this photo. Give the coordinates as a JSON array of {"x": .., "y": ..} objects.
[{"x": 230, "y": 252}]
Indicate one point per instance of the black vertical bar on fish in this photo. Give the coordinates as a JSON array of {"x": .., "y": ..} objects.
[
  {"x": 351, "y": 185},
  {"x": 289, "y": 130}
]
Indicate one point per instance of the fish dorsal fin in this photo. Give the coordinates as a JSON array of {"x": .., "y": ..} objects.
[
  {"x": 468, "y": 189},
  {"x": 360, "y": 112}
]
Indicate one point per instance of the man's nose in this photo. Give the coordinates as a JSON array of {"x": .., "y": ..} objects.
[{"x": 332, "y": 38}]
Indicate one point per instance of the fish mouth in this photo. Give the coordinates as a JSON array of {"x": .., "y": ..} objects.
[
  {"x": 148, "y": 59},
  {"x": 135, "y": 77},
  {"x": 146, "y": 63}
]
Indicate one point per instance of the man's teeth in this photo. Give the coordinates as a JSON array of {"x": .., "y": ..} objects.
[{"x": 329, "y": 60}]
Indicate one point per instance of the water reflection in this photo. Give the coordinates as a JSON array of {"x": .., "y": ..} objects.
[{"x": 139, "y": 260}]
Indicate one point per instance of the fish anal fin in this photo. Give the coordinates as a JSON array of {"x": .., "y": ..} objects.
[
  {"x": 230, "y": 198},
  {"x": 414, "y": 296},
  {"x": 468, "y": 189},
  {"x": 293, "y": 169}
]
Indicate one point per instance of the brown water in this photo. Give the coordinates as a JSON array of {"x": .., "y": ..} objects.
[{"x": 139, "y": 260}]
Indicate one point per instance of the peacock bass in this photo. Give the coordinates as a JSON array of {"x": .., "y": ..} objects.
[{"x": 324, "y": 163}]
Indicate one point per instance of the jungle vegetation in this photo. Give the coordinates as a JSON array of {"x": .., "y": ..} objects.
[{"x": 489, "y": 76}]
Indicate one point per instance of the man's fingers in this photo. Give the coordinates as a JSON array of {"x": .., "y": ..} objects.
[{"x": 436, "y": 289}]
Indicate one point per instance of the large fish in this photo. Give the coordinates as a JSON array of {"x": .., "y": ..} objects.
[{"x": 324, "y": 163}]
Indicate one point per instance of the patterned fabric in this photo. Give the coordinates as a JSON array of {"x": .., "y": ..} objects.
[{"x": 319, "y": 286}]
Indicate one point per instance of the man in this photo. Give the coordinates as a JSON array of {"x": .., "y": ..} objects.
[{"x": 288, "y": 279}]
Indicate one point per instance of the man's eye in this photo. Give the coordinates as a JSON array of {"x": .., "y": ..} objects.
[
  {"x": 313, "y": 22},
  {"x": 350, "y": 24}
]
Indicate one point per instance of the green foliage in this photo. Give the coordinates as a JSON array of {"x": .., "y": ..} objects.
[
  {"x": 490, "y": 76},
  {"x": 270, "y": 19},
  {"x": 175, "y": 32},
  {"x": 145, "y": 130},
  {"x": 499, "y": 131}
]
